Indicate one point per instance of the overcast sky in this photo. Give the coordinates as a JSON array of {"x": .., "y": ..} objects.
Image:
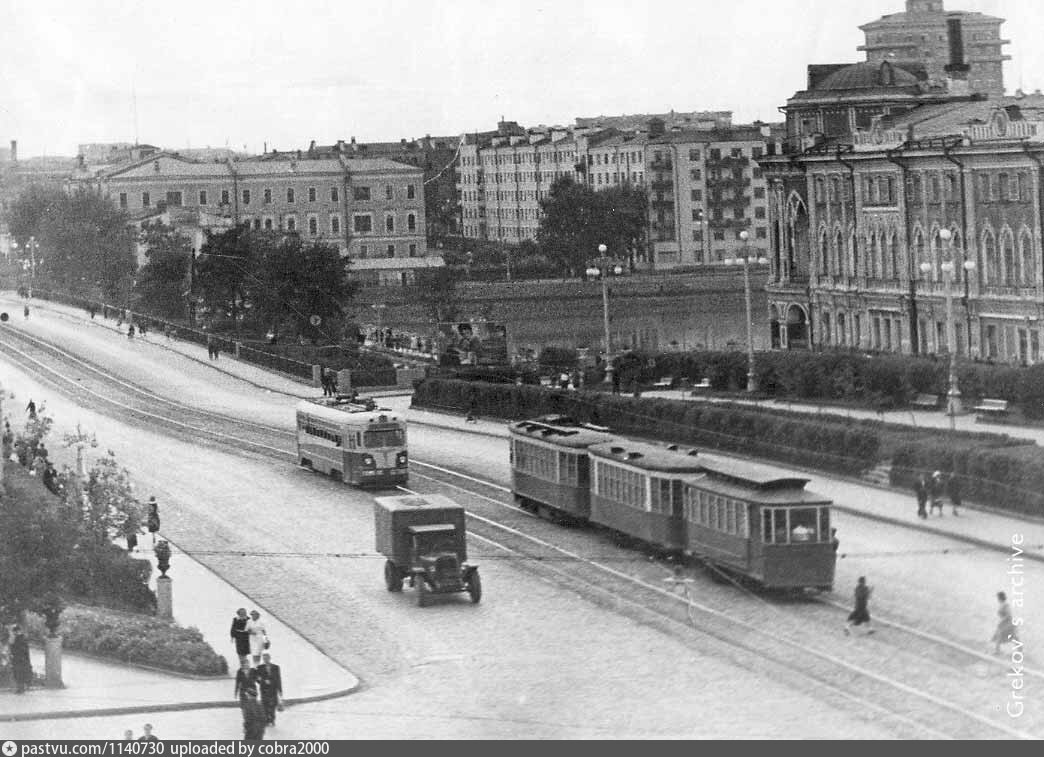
[{"x": 217, "y": 73}]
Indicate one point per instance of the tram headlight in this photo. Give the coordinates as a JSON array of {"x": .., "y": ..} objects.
[
  {"x": 368, "y": 461},
  {"x": 401, "y": 459}
]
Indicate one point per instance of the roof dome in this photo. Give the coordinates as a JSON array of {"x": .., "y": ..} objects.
[{"x": 868, "y": 75}]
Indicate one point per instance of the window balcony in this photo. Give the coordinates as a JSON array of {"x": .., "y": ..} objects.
[
  {"x": 729, "y": 223},
  {"x": 663, "y": 164},
  {"x": 735, "y": 182},
  {"x": 729, "y": 161}
]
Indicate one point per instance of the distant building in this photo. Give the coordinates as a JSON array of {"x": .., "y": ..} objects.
[
  {"x": 372, "y": 210},
  {"x": 701, "y": 120}
]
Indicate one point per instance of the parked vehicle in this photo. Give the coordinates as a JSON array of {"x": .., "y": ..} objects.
[
  {"x": 424, "y": 541},
  {"x": 355, "y": 442}
]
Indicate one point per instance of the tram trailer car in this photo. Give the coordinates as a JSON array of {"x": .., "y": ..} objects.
[
  {"x": 637, "y": 490},
  {"x": 550, "y": 468},
  {"x": 749, "y": 520},
  {"x": 353, "y": 443}
]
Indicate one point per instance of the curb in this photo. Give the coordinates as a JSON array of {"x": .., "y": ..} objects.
[
  {"x": 890, "y": 520},
  {"x": 172, "y": 707}
]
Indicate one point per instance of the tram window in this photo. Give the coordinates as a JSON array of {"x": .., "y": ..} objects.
[
  {"x": 742, "y": 528},
  {"x": 730, "y": 524},
  {"x": 803, "y": 524},
  {"x": 824, "y": 523},
  {"x": 780, "y": 526},
  {"x": 387, "y": 437},
  {"x": 676, "y": 498},
  {"x": 704, "y": 509},
  {"x": 766, "y": 526}
]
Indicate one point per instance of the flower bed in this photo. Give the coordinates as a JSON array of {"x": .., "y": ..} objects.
[{"x": 139, "y": 639}]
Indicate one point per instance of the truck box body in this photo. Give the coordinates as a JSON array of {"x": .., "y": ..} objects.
[{"x": 393, "y": 517}]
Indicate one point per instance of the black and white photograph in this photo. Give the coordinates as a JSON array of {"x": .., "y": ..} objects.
[{"x": 587, "y": 371}]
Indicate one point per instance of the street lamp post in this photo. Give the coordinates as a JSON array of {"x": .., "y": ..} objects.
[
  {"x": 601, "y": 267},
  {"x": 378, "y": 309},
  {"x": 949, "y": 268},
  {"x": 746, "y": 261}
]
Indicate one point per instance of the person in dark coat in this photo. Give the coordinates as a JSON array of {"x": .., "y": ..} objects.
[
  {"x": 246, "y": 681},
  {"x": 153, "y": 519},
  {"x": 861, "y": 612},
  {"x": 935, "y": 492},
  {"x": 21, "y": 667},
  {"x": 31, "y": 409},
  {"x": 921, "y": 489},
  {"x": 254, "y": 720},
  {"x": 953, "y": 491},
  {"x": 270, "y": 682},
  {"x": 240, "y": 635}
]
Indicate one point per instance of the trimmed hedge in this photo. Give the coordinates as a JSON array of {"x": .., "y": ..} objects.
[
  {"x": 134, "y": 638},
  {"x": 846, "y": 447}
]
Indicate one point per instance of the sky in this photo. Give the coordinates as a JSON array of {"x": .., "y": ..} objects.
[{"x": 246, "y": 74}]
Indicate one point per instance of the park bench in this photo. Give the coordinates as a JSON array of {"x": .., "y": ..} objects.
[
  {"x": 991, "y": 408},
  {"x": 703, "y": 386},
  {"x": 926, "y": 401},
  {"x": 664, "y": 383}
]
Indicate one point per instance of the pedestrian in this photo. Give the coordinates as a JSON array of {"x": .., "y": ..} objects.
[
  {"x": 1007, "y": 630},
  {"x": 240, "y": 635},
  {"x": 128, "y": 735},
  {"x": 31, "y": 409},
  {"x": 21, "y": 667},
  {"x": 921, "y": 489},
  {"x": 217, "y": 349},
  {"x": 147, "y": 734},
  {"x": 246, "y": 680},
  {"x": 152, "y": 521},
  {"x": 953, "y": 491},
  {"x": 143, "y": 329},
  {"x": 131, "y": 526},
  {"x": 25, "y": 312},
  {"x": 270, "y": 683},
  {"x": 472, "y": 414},
  {"x": 254, "y": 720},
  {"x": 616, "y": 382},
  {"x": 130, "y": 331},
  {"x": 935, "y": 492},
  {"x": 834, "y": 541},
  {"x": 210, "y": 346},
  {"x": 258, "y": 637},
  {"x": 861, "y": 612}
]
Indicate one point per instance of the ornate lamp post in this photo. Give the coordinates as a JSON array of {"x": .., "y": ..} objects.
[
  {"x": 949, "y": 268},
  {"x": 746, "y": 261},
  {"x": 602, "y": 267}
]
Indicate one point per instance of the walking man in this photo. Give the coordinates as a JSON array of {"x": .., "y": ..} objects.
[
  {"x": 935, "y": 491},
  {"x": 152, "y": 521},
  {"x": 21, "y": 667},
  {"x": 254, "y": 721},
  {"x": 921, "y": 490},
  {"x": 953, "y": 491},
  {"x": 861, "y": 612},
  {"x": 270, "y": 681},
  {"x": 1006, "y": 629},
  {"x": 31, "y": 409},
  {"x": 147, "y": 734}
]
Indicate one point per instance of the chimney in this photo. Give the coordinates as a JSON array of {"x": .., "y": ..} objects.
[
  {"x": 311, "y": 147},
  {"x": 340, "y": 145},
  {"x": 957, "y": 69},
  {"x": 265, "y": 152},
  {"x": 14, "y": 150}
]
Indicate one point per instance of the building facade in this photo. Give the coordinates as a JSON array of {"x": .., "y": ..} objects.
[{"x": 372, "y": 210}]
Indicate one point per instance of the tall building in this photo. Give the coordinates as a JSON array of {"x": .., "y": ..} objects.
[
  {"x": 899, "y": 201},
  {"x": 937, "y": 40}
]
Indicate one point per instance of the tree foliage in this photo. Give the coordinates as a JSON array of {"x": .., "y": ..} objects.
[
  {"x": 576, "y": 219},
  {"x": 163, "y": 281},
  {"x": 437, "y": 289}
]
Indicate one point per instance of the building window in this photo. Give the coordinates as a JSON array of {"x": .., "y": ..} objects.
[
  {"x": 291, "y": 223},
  {"x": 697, "y": 235},
  {"x": 757, "y": 173},
  {"x": 268, "y": 224},
  {"x": 759, "y": 193},
  {"x": 225, "y": 197},
  {"x": 290, "y": 197},
  {"x": 246, "y": 196},
  {"x": 715, "y": 154},
  {"x": 756, "y": 152},
  {"x": 390, "y": 252},
  {"x": 268, "y": 197},
  {"x": 761, "y": 233},
  {"x": 696, "y": 174},
  {"x": 413, "y": 250},
  {"x": 737, "y": 152},
  {"x": 738, "y": 213},
  {"x": 361, "y": 193},
  {"x": 694, "y": 155},
  {"x": 202, "y": 197},
  {"x": 364, "y": 250},
  {"x": 389, "y": 192},
  {"x": 697, "y": 195},
  {"x": 1002, "y": 187},
  {"x": 389, "y": 223},
  {"x": 335, "y": 224},
  {"x": 257, "y": 224},
  {"x": 411, "y": 222},
  {"x": 334, "y": 195},
  {"x": 123, "y": 200},
  {"x": 411, "y": 192},
  {"x": 759, "y": 212},
  {"x": 174, "y": 198},
  {"x": 362, "y": 224},
  {"x": 313, "y": 225},
  {"x": 719, "y": 236},
  {"x": 311, "y": 194}
]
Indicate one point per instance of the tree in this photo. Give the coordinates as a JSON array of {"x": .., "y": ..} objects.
[
  {"x": 163, "y": 281},
  {"x": 107, "y": 504},
  {"x": 437, "y": 289},
  {"x": 575, "y": 220},
  {"x": 223, "y": 269}
]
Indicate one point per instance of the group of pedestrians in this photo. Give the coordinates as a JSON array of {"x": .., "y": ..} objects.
[
  {"x": 259, "y": 681},
  {"x": 213, "y": 348},
  {"x": 328, "y": 378},
  {"x": 33, "y": 455},
  {"x": 132, "y": 526},
  {"x": 930, "y": 489}
]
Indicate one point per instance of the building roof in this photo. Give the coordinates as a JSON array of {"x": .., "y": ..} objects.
[
  {"x": 910, "y": 19},
  {"x": 867, "y": 76}
]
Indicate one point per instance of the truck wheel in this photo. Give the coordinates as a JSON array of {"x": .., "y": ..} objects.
[
  {"x": 392, "y": 577},
  {"x": 475, "y": 587},
  {"x": 422, "y": 592}
]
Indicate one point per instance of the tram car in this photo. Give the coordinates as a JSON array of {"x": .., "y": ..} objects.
[
  {"x": 550, "y": 469},
  {"x": 748, "y": 520},
  {"x": 359, "y": 444},
  {"x": 637, "y": 490}
]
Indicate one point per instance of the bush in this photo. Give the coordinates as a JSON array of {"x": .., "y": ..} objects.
[
  {"x": 134, "y": 638},
  {"x": 110, "y": 576}
]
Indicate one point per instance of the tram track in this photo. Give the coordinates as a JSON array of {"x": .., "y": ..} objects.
[{"x": 499, "y": 525}]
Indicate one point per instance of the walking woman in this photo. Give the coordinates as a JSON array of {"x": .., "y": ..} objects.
[
  {"x": 861, "y": 612},
  {"x": 21, "y": 667},
  {"x": 240, "y": 635},
  {"x": 258, "y": 637},
  {"x": 1006, "y": 629},
  {"x": 153, "y": 521}
]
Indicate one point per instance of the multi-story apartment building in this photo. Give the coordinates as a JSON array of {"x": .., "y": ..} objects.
[
  {"x": 704, "y": 186},
  {"x": 930, "y": 37},
  {"x": 371, "y": 209},
  {"x": 858, "y": 218}
]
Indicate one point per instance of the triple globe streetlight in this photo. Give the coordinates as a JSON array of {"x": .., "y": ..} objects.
[
  {"x": 601, "y": 267},
  {"x": 748, "y": 259}
]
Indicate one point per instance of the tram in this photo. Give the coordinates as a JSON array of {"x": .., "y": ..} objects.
[{"x": 359, "y": 444}]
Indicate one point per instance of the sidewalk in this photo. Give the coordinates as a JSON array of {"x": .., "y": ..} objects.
[{"x": 94, "y": 687}]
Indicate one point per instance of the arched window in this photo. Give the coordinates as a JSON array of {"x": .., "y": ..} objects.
[
  {"x": 825, "y": 327},
  {"x": 893, "y": 255},
  {"x": 876, "y": 261},
  {"x": 1028, "y": 269},
  {"x": 990, "y": 263},
  {"x": 934, "y": 255},
  {"x": 959, "y": 254},
  {"x": 854, "y": 254},
  {"x": 839, "y": 253},
  {"x": 824, "y": 253},
  {"x": 1009, "y": 275}
]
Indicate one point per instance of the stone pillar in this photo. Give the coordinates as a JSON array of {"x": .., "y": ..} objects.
[
  {"x": 344, "y": 381},
  {"x": 235, "y": 349},
  {"x": 164, "y": 598},
  {"x": 317, "y": 375},
  {"x": 53, "y": 662}
]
